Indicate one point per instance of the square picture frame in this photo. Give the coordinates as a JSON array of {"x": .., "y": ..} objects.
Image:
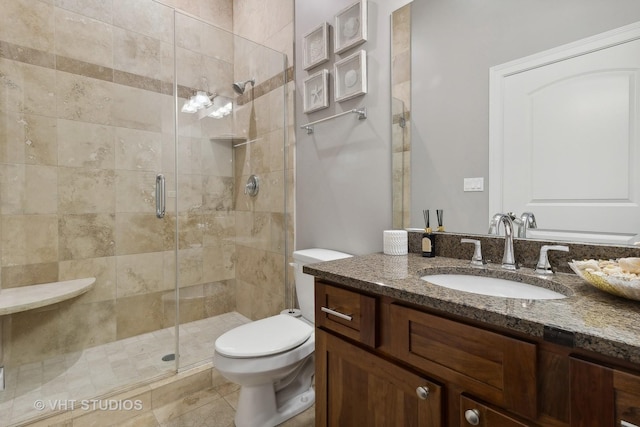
[
  {"x": 315, "y": 46},
  {"x": 350, "y": 76},
  {"x": 350, "y": 27},
  {"x": 316, "y": 91}
]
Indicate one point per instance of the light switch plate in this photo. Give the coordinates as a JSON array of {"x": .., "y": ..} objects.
[{"x": 474, "y": 184}]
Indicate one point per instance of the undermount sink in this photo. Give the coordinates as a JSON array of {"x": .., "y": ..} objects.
[{"x": 492, "y": 286}]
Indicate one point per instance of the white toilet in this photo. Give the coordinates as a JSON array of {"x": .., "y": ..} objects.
[{"x": 272, "y": 359}]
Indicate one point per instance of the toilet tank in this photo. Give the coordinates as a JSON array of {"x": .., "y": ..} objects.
[{"x": 304, "y": 282}]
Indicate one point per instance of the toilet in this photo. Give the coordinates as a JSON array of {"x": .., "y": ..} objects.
[{"x": 272, "y": 358}]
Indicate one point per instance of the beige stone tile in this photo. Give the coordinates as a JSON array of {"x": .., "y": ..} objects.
[
  {"x": 80, "y": 37},
  {"x": 83, "y": 98},
  {"x": 282, "y": 41},
  {"x": 143, "y": 232},
  {"x": 86, "y": 236},
  {"x": 189, "y": 69},
  {"x": 190, "y": 262},
  {"x": 85, "y": 145},
  {"x": 96, "y": 9},
  {"x": 107, "y": 417},
  {"x": 86, "y": 191},
  {"x": 138, "y": 314},
  {"x": 147, "y": 419},
  {"x": 217, "y": 157},
  {"x": 190, "y": 193},
  {"x": 271, "y": 196},
  {"x": 189, "y": 155},
  {"x": 38, "y": 334},
  {"x": 149, "y": 18},
  {"x": 244, "y": 298},
  {"x": 167, "y": 393},
  {"x": 191, "y": 304},
  {"x": 218, "y": 410},
  {"x": 218, "y": 227},
  {"x": 187, "y": 403},
  {"x": 219, "y": 13},
  {"x": 28, "y": 23},
  {"x": 30, "y": 274},
  {"x": 136, "y": 53},
  {"x": 103, "y": 269},
  {"x": 138, "y": 150},
  {"x": 191, "y": 229},
  {"x": 136, "y": 108},
  {"x": 232, "y": 397},
  {"x": 220, "y": 297},
  {"x": 304, "y": 419},
  {"x": 27, "y": 138},
  {"x": 139, "y": 274},
  {"x": 220, "y": 262},
  {"x": 135, "y": 191},
  {"x": 28, "y": 189},
  {"x": 29, "y": 239},
  {"x": 27, "y": 88},
  {"x": 217, "y": 193}
]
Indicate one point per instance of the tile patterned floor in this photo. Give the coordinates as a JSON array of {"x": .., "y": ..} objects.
[{"x": 105, "y": 368}]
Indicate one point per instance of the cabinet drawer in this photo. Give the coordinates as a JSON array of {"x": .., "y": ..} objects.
[
  {"x": 346, "y": 312},
  {"x": 473, "y": 413},
  {"x": 497, "y": 369}
]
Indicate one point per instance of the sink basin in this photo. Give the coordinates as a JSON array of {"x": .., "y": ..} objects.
[{"x": 492, "y": 286}]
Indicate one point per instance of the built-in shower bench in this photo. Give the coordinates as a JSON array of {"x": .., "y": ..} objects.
[{"x": 22, "y": 298}]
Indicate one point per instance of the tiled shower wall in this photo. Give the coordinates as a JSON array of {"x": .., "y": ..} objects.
[{"x": 86, "y": 121}]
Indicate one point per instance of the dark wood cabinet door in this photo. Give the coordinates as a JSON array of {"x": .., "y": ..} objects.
[
  {"x": 473, "y": 413},
  {"x": 358, "y": 388}
]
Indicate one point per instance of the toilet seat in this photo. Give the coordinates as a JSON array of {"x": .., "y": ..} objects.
[{"x": 264, "y": 337}]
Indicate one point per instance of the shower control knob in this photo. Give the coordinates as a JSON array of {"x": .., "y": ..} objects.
[
  {"x": 472, "y": 416},
  {"x": 253, "y": 186},
  {"x": 422, "y": 392}
]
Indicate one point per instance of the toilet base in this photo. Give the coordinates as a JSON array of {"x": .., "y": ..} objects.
[
  {"x": 263, "y": 411},
  {"x": 267, "y": 405}
]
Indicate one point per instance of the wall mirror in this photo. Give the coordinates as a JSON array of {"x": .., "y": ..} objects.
[{"x": 451, "y": 48}]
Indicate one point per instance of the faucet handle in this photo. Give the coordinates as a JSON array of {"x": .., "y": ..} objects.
[
  {"x": 476, "y": 259},
  {"x": 543, "y": 266}
]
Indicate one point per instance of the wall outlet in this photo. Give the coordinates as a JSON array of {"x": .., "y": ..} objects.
[{"x": 474, "y": 184}]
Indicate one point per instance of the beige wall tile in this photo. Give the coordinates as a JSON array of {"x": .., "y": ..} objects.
[
  {"x": 190, "y": 262},
  {"x": 27, "y": 88},
  {"x": 28, "y": 23},
  {"x": 145, "y": 17},
  {"x": 190, "y": 192},
  {"x": 86, "y": 236},
  {"x": 135, "y": 191},
  {"x": 143, "y": 232},
  {"x": 136, "y": 108},
  {"x": 138, "y": 314},
  {"x": 29, "y": 239},
  {"x": 86, "y": 190},
  {"x": 103, "y": 269},
  {"x": 168, "y": 393},
  {"x": 83, "y": 38},
  {"x": 220, "y": 297},
  {"x": 140, "y": 274},
  {"x": 217, "y": 193},
  {"x": 136, "y": 53},
  {"x": 219, "y": 262},
  {"x": 190, "y": 230},
  {"x": 84, "y": 99},
  {"x": 218, "y": 227},
  {"x": 27, "y": 138},
  {"x": 21, "y": 275},
  {"x": 28, "y": 189},
  {"x": 138, "y": 150},
  {"x": 96, "y": 9},
  {"x": 217, "y": 157},
  {"x": 85, "y": 145}
]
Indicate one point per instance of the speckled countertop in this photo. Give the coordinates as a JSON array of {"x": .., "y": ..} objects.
[{"x": 595, "y": 320}]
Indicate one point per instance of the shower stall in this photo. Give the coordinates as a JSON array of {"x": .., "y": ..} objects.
[{"x": 145, "y": 148}]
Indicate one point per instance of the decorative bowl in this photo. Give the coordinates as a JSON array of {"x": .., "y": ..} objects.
[{"x": 606, "y": 276}]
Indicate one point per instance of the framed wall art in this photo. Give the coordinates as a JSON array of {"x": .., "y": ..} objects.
[
  {"x": 351, "y": 76},
  {"x": 350, "y": 27},
  {"x": 316, "y": 91},
  {"x": 315, "y": 46}
]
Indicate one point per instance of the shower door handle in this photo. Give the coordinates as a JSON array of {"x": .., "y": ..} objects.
[{"x": 161, "y": 199}]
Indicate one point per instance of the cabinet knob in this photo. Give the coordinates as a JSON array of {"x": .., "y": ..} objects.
[
  {"x": 472, "y": 416},
  {"x": 422, "y": 392}
]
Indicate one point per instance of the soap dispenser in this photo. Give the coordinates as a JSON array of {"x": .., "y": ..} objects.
[{"x": 428, "y": 239}]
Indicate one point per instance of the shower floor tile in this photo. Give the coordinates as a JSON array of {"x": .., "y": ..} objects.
[{"x": 96, "y": 371}]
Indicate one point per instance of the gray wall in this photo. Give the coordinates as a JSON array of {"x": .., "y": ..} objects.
[
  {"x": 343, "y": 170},
  {"x": 455, "y": 42}
]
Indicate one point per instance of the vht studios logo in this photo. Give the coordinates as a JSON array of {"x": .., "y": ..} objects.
[{"x": 89, "y": 405}]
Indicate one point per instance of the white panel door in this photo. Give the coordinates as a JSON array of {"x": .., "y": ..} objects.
[{"x": 571, "y": 146}]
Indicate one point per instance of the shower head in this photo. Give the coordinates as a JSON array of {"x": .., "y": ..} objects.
[{"x": 239, "y": 87}]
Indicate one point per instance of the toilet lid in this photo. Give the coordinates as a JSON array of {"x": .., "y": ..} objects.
[{"x": 264, "y": 337}]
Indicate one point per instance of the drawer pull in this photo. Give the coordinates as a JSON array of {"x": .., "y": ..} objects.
[
  {"x": 472, "y": 416},
  {"x": 422, "y": 392},
  {"x": 336, "y": 313}
]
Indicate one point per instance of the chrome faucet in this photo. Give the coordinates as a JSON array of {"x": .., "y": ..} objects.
[
  {"x": 493, "y": 224},
  {"x": 508, "y": 258},
  {"x": 528, "y": 221}
]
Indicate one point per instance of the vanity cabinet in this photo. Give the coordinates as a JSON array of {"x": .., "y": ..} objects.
[
  {"x": 603, "y": 396},
  {"x": 383, "y": 362}
]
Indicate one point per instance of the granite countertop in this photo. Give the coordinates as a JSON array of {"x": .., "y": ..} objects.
[{"x": 592, "y": 319}]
